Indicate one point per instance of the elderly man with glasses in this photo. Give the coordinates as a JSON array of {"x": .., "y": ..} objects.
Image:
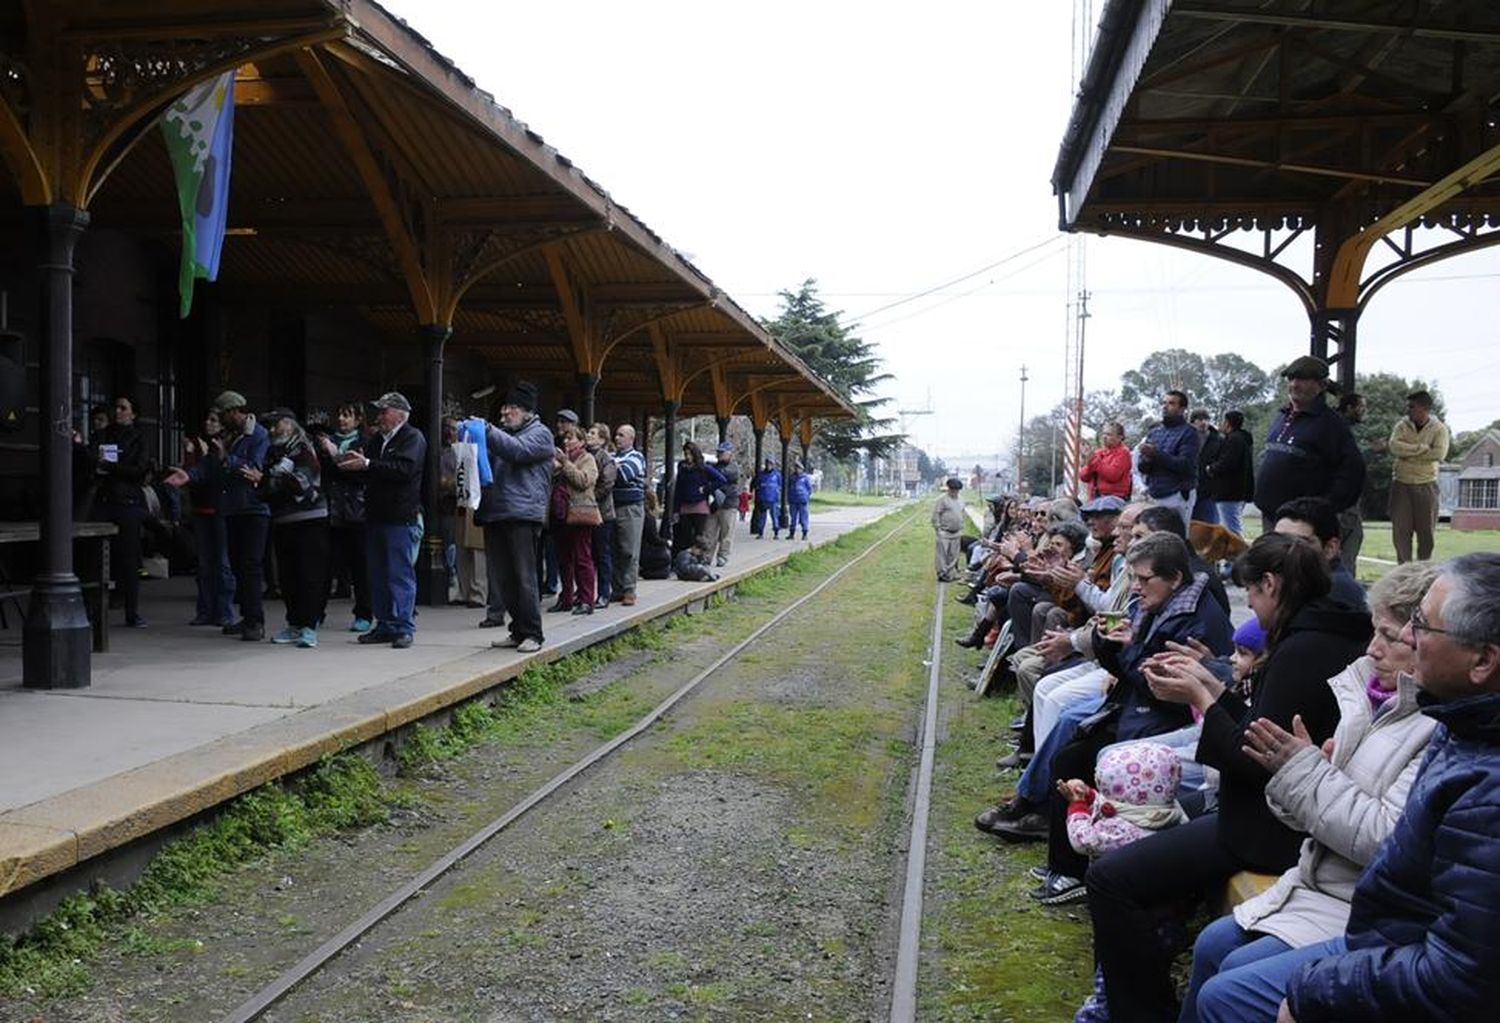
[{"x": 1423, "y": 940}]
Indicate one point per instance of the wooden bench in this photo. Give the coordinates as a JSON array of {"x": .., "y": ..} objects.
[
  {"x": 96, "y": 591},
  {"x": 1245, "y": 886}
]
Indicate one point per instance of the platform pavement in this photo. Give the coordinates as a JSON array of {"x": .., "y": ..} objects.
[{"x": 179, "y": 719}]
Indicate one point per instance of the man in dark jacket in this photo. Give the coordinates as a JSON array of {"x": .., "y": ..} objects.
[
  {"x": 120, "y": 472},
  {"x": 1232, "y": 471},
  {"x": 1169, "y": 458},
  {"x": 1423, "y": 940},
  {"x": 1205, "y": 508},
  {"x": 1309, "y": 451},
  {"x": 512, "y": 511},
  {"x": 392, "y": 463},
  {"x": 725, "y": 515}
]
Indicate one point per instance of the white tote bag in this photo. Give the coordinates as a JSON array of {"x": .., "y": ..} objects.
[{"x": 466, "y": 485}]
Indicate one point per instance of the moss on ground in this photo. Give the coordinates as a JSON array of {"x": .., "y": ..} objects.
[{"x": 992, "y": 953}]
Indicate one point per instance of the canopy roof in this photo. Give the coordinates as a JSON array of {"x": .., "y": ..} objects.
[
  {"x": 370, "y": 173},
  {"x": 1358, "y": 119}
]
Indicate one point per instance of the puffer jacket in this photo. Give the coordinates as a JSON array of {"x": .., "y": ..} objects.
[
  {"x": 1424, "y": 934},
  {"x": 580, "y": 474},
  {"x": 1321, "y": 640},
  {"x": 521, "y": 461},
  {"x": 1348, "y": 806}
]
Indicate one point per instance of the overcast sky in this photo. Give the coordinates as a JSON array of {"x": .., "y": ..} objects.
[{"x": 886, "y": 148}]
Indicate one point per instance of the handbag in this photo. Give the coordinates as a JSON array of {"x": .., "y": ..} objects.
[
  {"x": 558, "y": 505},
  {"x": 584, "y": 515}
]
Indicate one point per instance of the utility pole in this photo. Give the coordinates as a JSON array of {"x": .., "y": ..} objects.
[
  {"x": 1021, "y": 438},
  {"x": 1075, "y": 428}
]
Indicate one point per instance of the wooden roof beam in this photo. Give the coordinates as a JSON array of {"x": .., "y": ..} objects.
[{"x": 1291, "y": 168}]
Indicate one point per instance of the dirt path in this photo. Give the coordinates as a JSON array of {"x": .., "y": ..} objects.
[{"x": 740, "y": 862}]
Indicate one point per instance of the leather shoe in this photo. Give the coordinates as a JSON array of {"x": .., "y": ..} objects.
[
  {"x": 252, "y": 633},
  {"x": 1013, "y": 760},
  {"x": 1030, "y": 828},
  {"x": 969, "y": 642},
  {"x": 374, "y": 636},
  {"x": 583, "y": 609},
  {"x": 628, "y": 600},
  {"x": 559, "y": 606},
  {"x": 1005, "y": 813},
  {"x": 402, "y": 641},
  {"x": 491, "y": 623}
]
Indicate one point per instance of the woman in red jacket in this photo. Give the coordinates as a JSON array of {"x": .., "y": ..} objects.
[{"x": 1108, "y": 468}]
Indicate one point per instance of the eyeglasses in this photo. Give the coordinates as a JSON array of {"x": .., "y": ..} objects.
[
  {"x": 1144, "y": 578},
  {"x": 1419, "y": 623}
]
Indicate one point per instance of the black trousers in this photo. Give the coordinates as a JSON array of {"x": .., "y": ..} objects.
[
  {"x": 302, "y": 564},
  {"x": 511, "y": 548},
  {"x": 1128, "y": 888},
  {"x": 347, "y": 558},
  {"x": 247, "y": 552},
  {"x": 688, "y": 529},
  {"x": 125, "y": 553}
]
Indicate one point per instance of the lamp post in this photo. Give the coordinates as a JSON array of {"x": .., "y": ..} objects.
[{"x": 1021, "y": 439}]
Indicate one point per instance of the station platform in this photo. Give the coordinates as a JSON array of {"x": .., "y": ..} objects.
[{"x": 180, "y": 719}]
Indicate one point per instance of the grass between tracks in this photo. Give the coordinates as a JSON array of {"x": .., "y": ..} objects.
[
  {"x": 991, "y": 952},
  {"x": 52, "y": 959}
]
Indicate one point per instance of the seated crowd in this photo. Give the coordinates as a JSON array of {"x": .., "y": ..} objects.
[{"x": 1343, "y": 745}]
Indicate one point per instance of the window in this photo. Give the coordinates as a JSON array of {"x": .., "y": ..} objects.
[{"x": 1480, "y": 494}]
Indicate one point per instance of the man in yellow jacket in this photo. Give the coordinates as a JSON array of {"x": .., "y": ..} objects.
[{"x": 1419, "y": 441}]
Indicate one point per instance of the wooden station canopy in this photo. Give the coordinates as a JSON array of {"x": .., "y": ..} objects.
[
  {"x": 1233, "y": 127},
  {"x": 370, "y": 173}
]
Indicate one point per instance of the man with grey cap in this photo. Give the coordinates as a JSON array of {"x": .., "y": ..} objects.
[
  {"x": 726, "y": 512},
  {"x": 392, "y": 464},
  {"x": 948, "y": 524},
  {"x": 512, "y": 510},
  {"x": 236, "y": 458},
  {"x": 1310, "y": 451}
]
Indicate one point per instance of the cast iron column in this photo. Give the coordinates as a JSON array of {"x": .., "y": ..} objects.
[
  {"x": 786, "y": 481},
  {"x": 669, "y": 466},
  {"x": 760, "y": 447},
  {"x": 588, "y": 384},
  {"x": 56, "y": 642},
  {"x": 432, "y": 559},
  {"x": 723, "y": 422}
]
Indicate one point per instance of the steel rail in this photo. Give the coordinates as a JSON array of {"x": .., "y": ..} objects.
[
  {"x": 908, "y": 949},
  {"x": 255, "y": 1006}
]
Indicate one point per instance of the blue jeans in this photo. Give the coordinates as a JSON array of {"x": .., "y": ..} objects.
[
  {"x": 1222, "y": 946},
  {"x": 1252, "y": 988},
  {"x": 215, "y": 580},
  {"x": 1035, "y": 785},
  {"x": 393, "y": 579},
  {"x": 1229, "y": 516},
  {"x": 796, "y": 515},
  {"x": 1205, "y": 509}
]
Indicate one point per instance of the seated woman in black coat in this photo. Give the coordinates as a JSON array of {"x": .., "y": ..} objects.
[
  {"x": 656, "y": 554},
  {"x": 1308, "y": 640}
]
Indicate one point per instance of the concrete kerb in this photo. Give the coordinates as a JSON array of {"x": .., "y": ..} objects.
[{"x": 54, "y": 836}]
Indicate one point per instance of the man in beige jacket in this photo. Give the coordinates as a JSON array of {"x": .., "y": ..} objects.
[
  {"x": 948, "y": 523},
  {"x": 1419, "y": 441}
]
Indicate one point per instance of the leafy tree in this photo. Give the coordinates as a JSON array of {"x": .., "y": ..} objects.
[
  {"x": 1233, "y": 382},
  {"x": 1175, "y": 369},
  {"x": 847, "y": 362}
]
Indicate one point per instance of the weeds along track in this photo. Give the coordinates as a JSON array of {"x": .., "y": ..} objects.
[{"x": 324, "y": 955}]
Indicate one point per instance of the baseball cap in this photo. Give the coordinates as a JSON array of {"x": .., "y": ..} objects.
[{"x": 724, "y": 446}]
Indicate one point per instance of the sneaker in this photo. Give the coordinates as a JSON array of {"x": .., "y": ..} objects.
[
  {"x": 1038, "y": 872},
  {"x": 361, "y": 625},
  {"x": 601, "y": 603},
  {"x": 721, "y": 562},
  {"x": 1059, "y": 889},
  {"x": 508, "y": 643},
  {"x": 308, "y": 639},
  {"x": 252, "y": 632},
  {"x": 1030, "y": 828},
  {"x": 287, "y": 635},
  {"x": 529, "y": 645}
]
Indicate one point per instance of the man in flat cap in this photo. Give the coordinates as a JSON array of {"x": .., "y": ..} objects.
[
  {"x": 948, "y": 524},
  {"x": 392, "y": 464},
  {"x": 726, "y": 509},
  {"x": 1309, "y": 451}
]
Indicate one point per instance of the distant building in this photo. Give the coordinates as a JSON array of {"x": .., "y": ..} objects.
[{"x": 1479, "y": 486}]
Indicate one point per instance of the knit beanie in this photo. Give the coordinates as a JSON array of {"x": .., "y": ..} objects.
[
  {"x": 1251, "y": 636},
  {"x": 522, "y": 394}
]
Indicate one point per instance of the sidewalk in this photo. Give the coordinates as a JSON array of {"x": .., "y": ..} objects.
[{"x": 179, "y": 719}]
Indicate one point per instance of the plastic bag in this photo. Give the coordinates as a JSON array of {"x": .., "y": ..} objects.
[{"x": 466, "y": 482}]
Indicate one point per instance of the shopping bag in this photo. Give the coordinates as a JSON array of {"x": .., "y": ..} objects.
[{"x": 466, "y": 482}]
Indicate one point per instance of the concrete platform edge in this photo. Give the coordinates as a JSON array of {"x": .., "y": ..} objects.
[{"x": 53, "y": 835}]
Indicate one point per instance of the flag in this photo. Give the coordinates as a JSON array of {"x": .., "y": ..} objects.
[{"x": 199, "y": 129}]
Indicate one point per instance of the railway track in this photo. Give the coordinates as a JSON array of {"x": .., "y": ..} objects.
[{"x": 903, "y": 984}]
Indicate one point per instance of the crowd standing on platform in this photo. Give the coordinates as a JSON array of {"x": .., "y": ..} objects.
[
  {"x": 312, "y": 509},
  {"x": 1341, "y": 746}
]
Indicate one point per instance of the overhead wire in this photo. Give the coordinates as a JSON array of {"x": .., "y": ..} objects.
[{"x": 959, "y": 280}]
